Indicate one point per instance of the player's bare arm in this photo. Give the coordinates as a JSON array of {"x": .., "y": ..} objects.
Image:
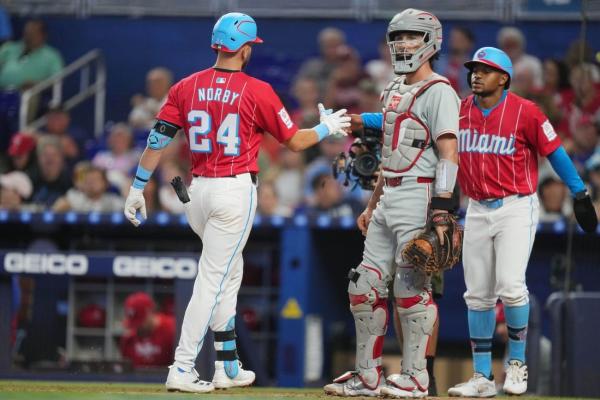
[
  {"x": 160, "y": 136},
  {"x": 446, "y": 172},
  {"x": 332, "y": 123},
  {"x": 364, "y": 218}
]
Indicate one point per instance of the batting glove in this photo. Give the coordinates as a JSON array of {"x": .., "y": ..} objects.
[
  {"x": 335, "y": 121},
  {"x": 135, "y": 201}
]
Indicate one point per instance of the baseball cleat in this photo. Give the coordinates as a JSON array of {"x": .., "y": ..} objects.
[
  {"x": 231, "y": 375},
  {"x": 350, "y": 385},
  {"x": 477, "y": 386},
  {"x": 180, "y": 380},
  {"x": 516, "y": 378},
  {"x": 403, "y": 386}
]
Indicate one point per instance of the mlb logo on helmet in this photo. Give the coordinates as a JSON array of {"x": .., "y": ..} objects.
[
  {"x": 481, "y": 54},
  {"x": 232, "y": 31}
]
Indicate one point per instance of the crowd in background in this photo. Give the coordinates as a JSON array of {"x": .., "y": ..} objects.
[{"x": 62, "y": 168}]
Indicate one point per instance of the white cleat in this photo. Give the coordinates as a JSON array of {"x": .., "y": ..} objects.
[
  {"x": 180, "y": 380},
  {"x": 516, "y": 378},
  {"x": 350, "y": 385},
  {"x": 477, "y": 386},
  {"x": 403, "y": 386},
  {"x": 232, "y": 375}
]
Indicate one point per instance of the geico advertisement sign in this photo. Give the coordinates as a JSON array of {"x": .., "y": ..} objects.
[
  {"x": 55, "y": 264},
  {"x": 155, "y": 267}
]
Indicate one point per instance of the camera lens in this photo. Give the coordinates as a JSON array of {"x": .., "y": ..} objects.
[{"x": 366, "y": 164}]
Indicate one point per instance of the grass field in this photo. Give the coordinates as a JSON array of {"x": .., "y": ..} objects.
[{"x": 30, "y": 390}]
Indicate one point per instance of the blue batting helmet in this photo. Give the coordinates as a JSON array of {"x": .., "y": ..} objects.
[
  {"x": 232, "y": 31},
  {"x": 493, "y": 57}
]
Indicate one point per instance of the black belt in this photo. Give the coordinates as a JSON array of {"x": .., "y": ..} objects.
[{"x": 252, "y": 176}]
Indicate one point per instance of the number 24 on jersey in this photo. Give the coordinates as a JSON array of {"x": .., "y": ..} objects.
[{"x": 227, "y": 134}]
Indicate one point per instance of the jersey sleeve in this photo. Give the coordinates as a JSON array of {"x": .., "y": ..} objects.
[
  {"x": 272, "y": 115},
  {"x": 443, "y": 112},
  {"x": 170, "y": 111},
  {"x": 540, "y": 132}
]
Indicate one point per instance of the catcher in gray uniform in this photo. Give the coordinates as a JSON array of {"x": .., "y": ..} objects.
[{"x": 419, "y": 167}]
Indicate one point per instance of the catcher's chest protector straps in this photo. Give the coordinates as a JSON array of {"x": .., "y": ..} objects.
[{"x": 405, "y": 136}]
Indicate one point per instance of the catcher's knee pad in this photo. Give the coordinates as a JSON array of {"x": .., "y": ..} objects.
[
  {"x": 368, "y": 304},
  {"x": 417, "y": 317}
]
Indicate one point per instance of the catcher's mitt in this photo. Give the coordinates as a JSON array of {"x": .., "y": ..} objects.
[{"x": 426, "y": 252}]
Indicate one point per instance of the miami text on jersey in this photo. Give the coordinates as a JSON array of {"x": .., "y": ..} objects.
[
  {"x": 475, "y": 142},
  {"x": 218, "y": 94}
]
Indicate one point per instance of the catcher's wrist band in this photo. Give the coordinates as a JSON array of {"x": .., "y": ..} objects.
[
  {"x": 442, "y": 203},
  {"x": 142, "y": 176}
]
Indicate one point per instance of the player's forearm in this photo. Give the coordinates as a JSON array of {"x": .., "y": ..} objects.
[
  {"x": 377, "y": 192},
  {"x": 303, "y": 139},
  {"x": 563, "y": 166},
  {"x": 447, "y": 167},
  {"x": 148, "y": 163}
]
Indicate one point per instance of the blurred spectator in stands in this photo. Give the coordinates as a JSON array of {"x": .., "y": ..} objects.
[
  {"x": 145, "y": 108},
  {"x": 29, "y": 61},
  {"x": 320, "y": 68},
  {"x": 268, "y": 201},
  {"x": 149, "y": 339},
  {"x": 558, "y": 91},
  {"x": 329, "y": 198},
  {"x": 526, "y": 67},
  {"x": 580, "y": 52},
  {"x": 120, "y": 158},
  {"x": 306, "y": 92},
  {"x": 51, "y": 181},
  {"x": 381, "y": 69},
  {"x": 288, "y": 178},
  {"x": 369, "y": 96},
  {"x": 585, "y": 105},
  {"x": 166, "y": 195},
  {"x": 451, "y": 64},
  {"x": 21, "y": 153},
  {"x": 23, "y": 64},
  {"x": 58, "y": 123},
  {"x": 6, "y": 32},
  {"x": 553, "y": 200},
  {"x": 342, "y": 86},
  {"x": 585, "y": 141},
  {"x": 92, "y": 195},
  {"x": 15, "y": 189}
]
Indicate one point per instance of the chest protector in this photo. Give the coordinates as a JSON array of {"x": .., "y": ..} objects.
[{"x": 405, "y": 136}]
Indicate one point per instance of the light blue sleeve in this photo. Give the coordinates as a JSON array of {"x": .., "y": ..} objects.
[
  {"x": 563, "y": 166},
  {"x": 372, "y": 120}
]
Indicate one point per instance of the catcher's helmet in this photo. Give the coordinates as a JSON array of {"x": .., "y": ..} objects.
[
  {"x": 414, "y": 21},
  {"x": 232, "y": 31},
  {"x": 493, "y": 57}
]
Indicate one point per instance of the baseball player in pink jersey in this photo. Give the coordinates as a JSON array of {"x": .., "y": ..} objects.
[
  {"x": 420, "y": 126},
  {"x": 224, "y": 114},
  {"x": 501, "y": 135}
]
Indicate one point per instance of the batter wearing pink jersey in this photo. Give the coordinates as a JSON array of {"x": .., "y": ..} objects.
[
  {"x": 224, "y": 114},
  {"x": 500, "y": 137}
]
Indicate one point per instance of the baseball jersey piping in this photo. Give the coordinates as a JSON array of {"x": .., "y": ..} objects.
[{"x": 212, "y": 310}]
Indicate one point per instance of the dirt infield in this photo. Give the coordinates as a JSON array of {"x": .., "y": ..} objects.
[{"x": 31, "y": 390}]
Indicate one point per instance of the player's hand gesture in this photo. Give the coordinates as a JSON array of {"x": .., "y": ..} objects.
[
  {"x": 135, "y": 201},
  {"x": 336, "y": 122},
  {"x": 364, "y": 219}
]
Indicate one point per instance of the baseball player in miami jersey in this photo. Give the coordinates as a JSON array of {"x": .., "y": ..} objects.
[
  {"x": 501, "y": 135},
  {"x": 224, "y": 114},
  {"x": 420, "y": 124}
]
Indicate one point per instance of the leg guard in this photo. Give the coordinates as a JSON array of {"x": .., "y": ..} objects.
[
  {"x": 417, "y": 316},
  {"x": 368, "y": 294}
]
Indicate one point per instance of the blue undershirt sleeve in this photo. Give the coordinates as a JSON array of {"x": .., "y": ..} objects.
[
  {"x": 372, "y": 120},
  {"x": 563, "y": 166}
]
